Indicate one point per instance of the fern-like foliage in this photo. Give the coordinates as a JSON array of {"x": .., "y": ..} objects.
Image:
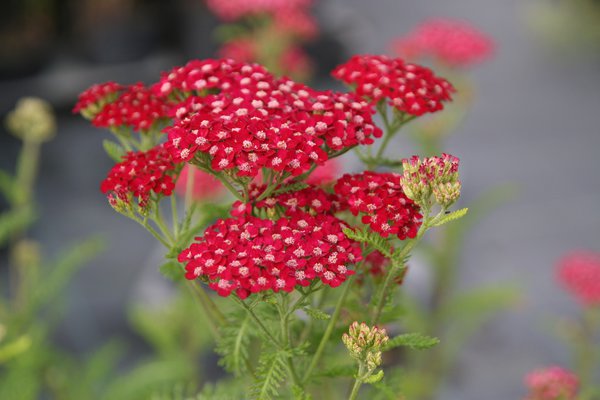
[
  {"x": 415, "y": 341},
  {"x": 270, "y": 375},
  {"x": 370, "y": 238},
  {"x": 293, "y": 187},
  {"x": 234, "y": 346},
  {"x": 451, "y": 217}
]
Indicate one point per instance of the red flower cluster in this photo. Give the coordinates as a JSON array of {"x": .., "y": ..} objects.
[
  {"x": 579, "y": 272},
  {"x": 249, "y": 255},
  {"x": 379, "y": 197},
  {"x": 553, "y": 383},
  {"x": 138, "y": 175},
  {"x": 455, "y": 43},
  {"x": 136, "y": 107},
  {"x": 312, "y": 200},
  {"x": 410, "y": 88},
  {"x": 257, "y": 121},
  {"x": 230, "y": 10},
  {"x": 96, "y": 96},
  {"x": 199, "y": 77}
]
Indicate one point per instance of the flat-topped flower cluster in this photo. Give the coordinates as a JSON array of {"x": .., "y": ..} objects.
[{"x": 262, "y": 137}]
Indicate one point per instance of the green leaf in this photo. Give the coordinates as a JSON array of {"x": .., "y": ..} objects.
[
  {"x": 293, "y": 187},
  {"x": 415, "y": 341},
  {"x": 300, "y": 394},
  {"x": 270, "y": 375},
  {"x": 375, "y": 378},
  {"x": 114, "y": 150},
  {"x": 234, "y": 347},
  {"x": 451, "y": 217},
  {"x": 363, "y": 236},
  {"x": 14, "y": 348},
  {"x": 172, "y": 270},
  {"x": 61, "y": 272},
  {"x": 316, "y": 313},
  {"x": 13, "y": 222},
  {"x": 7, "y": 186},
  {"x": 347, "y": 370}
]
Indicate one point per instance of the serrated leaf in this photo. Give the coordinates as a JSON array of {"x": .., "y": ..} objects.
[
  {"x": 451, "y": 217},
  {"x": 415, "y": 341},
  {"x": 234, "y": 347},
  {"x": 379, "y": 243},
  {"x": 375, "y": 378},
  {"x": 316, "y": 313},
  {"x": 300, "y": 394},
  {"x": 172, "y": 270},
  {"x": 114, "y": 150},
  {"x": 270, "y": 375},
  {"x": 294, "y": 187}
]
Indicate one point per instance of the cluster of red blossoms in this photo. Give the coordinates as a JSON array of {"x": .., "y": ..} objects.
[
  {"x": 138, "y": 175},
  {"x": 410, "y": 88},
  {"x": 312, "y": 200},
  {"x": 579, "y": 272},
  {"x": 257, "y": 121},
  {"x": 554, "y": 383},
  {"x": 90, "y": 101},
  {"x": 136, "y": 107},
  {"x": 379, "y": 197},
  {"x": 454, "y": 43},
  {"x": 249, "y": 255}
]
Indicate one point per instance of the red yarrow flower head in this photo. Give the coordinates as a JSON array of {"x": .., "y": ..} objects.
[
  {"x": 579, "y": 272},
  {"x": 204, "y": 186},
  {"x": 431, "y": 176},
  {"x": 379, "y": 198},
  {"x": 136, "y": 108},
  {"x": 454, "y": 43},
  {"x": 553, "y": 383},
  {"x": 138, "y": 176},
  {"x": 410, "y": 88},
  {"x": 92, "y": 100},
  {"x": 249, "y": 255},
  {"x": 262, "y": 122}
]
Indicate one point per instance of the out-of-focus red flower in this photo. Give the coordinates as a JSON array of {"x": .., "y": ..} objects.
[
  {"x": 324, "y": 174},
  {"x": 205, "y": 186},
  {"x": 455, "y": 43},
  {"x": 230, "y": 10},
  {"x": 241, "y": 49},
  {"x": 296, "y": 21},
  {"x": 552, "y": 383},
  {"x": 579, "y": 272}
]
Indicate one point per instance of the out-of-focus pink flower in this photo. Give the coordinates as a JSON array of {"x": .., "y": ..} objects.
[
  {"x": 241, "y": 49},
  {"x": 455, "y": 43},
  {"x": 297, "y": 21},
  {"x": 205, "y": 186},
  {"x": 579, "y": 272},
  {"x": 552, "y": 383},
  {"x": 324, "y": 174},
  {"x": 230, "y": 10}
]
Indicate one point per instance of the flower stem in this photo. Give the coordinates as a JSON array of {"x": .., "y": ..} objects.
[
  {"x": 258, "y": 322},
  {"x": 357, "y": 383},
  {"x": 382, "y": 293},
  {"x": 329, "y": 330}
]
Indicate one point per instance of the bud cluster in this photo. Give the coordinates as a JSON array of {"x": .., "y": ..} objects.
[
  {"x": 32, "y": 120},
  {"x": 431, "y": 176},
  {"x": 365, "y": 344}
]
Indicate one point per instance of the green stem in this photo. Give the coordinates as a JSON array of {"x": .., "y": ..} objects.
[
  {"x": 27, "y": 167},
  {"x": 357, "y": 383},
  {"x": 189, "y": 187},
  {"x": 160, "y": 222},
  {"x": 284, "y": 315},
  {"x": 212, "y": 325},
  {"x": 229, "y": 186},
  {"x": 175, "y": 217},
  {"x": 382, "y": 293},
  {"x": 329, "y": 330}
]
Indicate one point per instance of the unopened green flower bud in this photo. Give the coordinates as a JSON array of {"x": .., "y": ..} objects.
[
  {"x": 447, "y": 193},
  {"x": 32, "y": 120},
  {"x": 365, "y": 343}
]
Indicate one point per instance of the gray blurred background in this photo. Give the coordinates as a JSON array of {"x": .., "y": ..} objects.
[{"x": 535, "y": 124}]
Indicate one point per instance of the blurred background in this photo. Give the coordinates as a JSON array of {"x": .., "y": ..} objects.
[{"x": 534, "y": 125}]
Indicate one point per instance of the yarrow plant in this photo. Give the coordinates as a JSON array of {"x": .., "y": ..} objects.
[
  {"x": 553, "y": 383},
  {"x": 288, "y": 265}
]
